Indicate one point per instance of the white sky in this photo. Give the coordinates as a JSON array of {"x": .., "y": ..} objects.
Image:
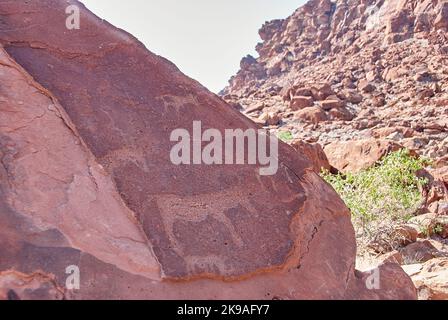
[{"x": 206, "y": 39}]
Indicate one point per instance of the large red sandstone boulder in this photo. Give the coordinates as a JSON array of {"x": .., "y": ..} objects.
[{"x": 86, "y": 181}]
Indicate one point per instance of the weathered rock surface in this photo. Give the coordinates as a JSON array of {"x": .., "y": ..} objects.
[
  {"x": 353, "y": 156},
  {"x": 86, "y": 180},
  {"x": 37, "y": 286},
  {"x": 420, "y": 251},
  {"x": 314, "y": 153},
  {"x": 430, "y": 278}
]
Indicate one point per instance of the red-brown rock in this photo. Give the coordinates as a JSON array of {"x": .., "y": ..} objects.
[
  {"x": 441, "y": 21},
  {"x": 353, "y": 156},
  {"x": 312, "y": 114},
  {"x": 321, "y": 91},
  {"x": 430, "y": 278},
  {"x": 301, "y": 102},
  {"x": 315, "y": 153},
  {"x": 37, "y": 286},
  {"x": 330, "y": 104},
  {"x": 420, "y": 251}
]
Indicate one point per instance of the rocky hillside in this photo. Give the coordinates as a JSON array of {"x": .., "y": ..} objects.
[
  {"x": 359, "y": 80},
  {"x": 347, "y": 70}
]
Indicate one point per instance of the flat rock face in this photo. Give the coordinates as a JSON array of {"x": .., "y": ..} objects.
[{"x": 86, "y": 180}]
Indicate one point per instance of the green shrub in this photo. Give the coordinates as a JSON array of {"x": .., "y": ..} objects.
[
  {"x": 383, "y": 195},
  {"x": 285, "y": 136}
]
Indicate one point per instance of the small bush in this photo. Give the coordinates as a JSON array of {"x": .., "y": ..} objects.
[
  {"x": 285, "y": 136},
  {"x": 383, "y": 195}
]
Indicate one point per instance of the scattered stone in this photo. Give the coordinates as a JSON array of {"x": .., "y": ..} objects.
[
  {"x": 426, "y": 93},
  {"x": 301, "y": 102},
  {"x": 321, "y": 91},
  {"x": 254, "y": 108},
  {"x": 366, "y": 87},
  {"x": 429, "y": 224},
  {"x": 331, "y": 104},
  {"x": 270, "y": 118},
  {"x": 405, "y": 234},
  {"x": 352, "y": 97},
  {"x": 430, "y": 278},
  {"x": 391, "y": 257},
  {"x": 417, "y": 252},
  {"x": 312, "y": 114}
]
